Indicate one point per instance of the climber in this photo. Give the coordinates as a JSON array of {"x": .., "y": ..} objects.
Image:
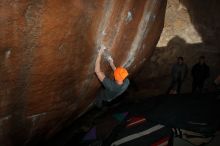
[{"x": 113, "y": 88}]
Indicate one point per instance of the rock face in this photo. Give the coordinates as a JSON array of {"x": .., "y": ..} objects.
[
  {"x": 191, "y": 29},
  {"x": 47, "y": 56}
]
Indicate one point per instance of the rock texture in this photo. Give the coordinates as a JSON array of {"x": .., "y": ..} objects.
[
  {"x": 191, "y": 29},
  {"x": 47, "y": 55}
]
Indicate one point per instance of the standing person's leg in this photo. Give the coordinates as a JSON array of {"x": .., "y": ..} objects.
[
  {"x": 201, "y": 86},
  {"x": 195, "y": 85},
  {"x": 171, "y": 86},
  {"x": 179, "y": 85}
]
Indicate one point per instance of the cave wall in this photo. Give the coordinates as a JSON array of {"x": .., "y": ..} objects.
[
  {"x": 191, "y": 29},
  {"x": 47, "y": 55}
]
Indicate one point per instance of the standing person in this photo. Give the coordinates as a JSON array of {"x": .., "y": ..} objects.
[
  {"x": 217, "y": 84},
  {"x": 217, "y": 80},
  {"x": 112, "y": 88},
  {"x": 178, "y": 73},
  {"x": 200, "y": 72}
]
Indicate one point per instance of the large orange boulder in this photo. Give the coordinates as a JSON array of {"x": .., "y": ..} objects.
[{"x": 47, "y": 57}]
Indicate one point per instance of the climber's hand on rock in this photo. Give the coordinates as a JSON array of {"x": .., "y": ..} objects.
[
  {"x": 102, "y": 49},
  {"x": 110, "y": 60}
]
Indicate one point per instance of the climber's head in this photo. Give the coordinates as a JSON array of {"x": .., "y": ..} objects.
[{"x": 120, "y": 74}]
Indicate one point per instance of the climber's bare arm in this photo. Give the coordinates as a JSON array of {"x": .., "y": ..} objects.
[
  {"x": 98, "y": 70},
  {"x": 111, "y": 62}
]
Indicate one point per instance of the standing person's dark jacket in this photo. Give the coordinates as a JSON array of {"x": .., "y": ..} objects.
[{"x": 200, "y": 72}]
